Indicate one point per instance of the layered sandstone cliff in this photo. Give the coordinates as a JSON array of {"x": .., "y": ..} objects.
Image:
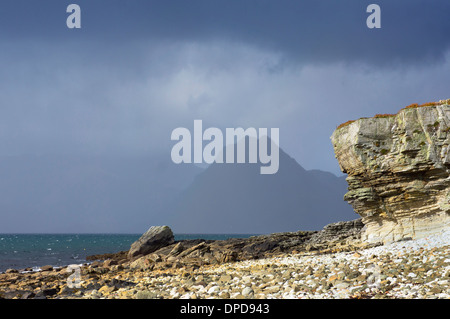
[{"x": 398, "y": 171}]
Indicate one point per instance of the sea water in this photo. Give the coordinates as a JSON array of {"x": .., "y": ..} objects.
[{"x": 19, "y": 251}]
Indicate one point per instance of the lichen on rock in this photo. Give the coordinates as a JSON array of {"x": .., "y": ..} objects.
[{"x": 398, "y": 170}]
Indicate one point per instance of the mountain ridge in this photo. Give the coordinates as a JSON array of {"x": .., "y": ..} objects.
[{"x": 235, "y": 198}]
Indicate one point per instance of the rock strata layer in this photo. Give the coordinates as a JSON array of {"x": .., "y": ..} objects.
[{"x": 398, "y": 171}]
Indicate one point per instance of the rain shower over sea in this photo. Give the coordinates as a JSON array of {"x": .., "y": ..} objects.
[{"x": 20, "y": 251}]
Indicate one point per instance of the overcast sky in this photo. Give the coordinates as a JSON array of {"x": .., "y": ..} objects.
[{"x": 138, "y": 69}]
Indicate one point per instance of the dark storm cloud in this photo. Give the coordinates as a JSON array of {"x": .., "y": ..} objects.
[
  {"x": 141, "y": 68},
  {"x": 138, "y": 69},
  {"x": 308, "y": 31}
]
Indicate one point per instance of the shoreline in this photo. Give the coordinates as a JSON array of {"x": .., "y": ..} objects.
[
  {"x": 418, "y": 268},
  {"x": 80, "y": 257}
]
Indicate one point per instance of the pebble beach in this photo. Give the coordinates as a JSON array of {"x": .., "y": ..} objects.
[{"x": 413, "y": 269}]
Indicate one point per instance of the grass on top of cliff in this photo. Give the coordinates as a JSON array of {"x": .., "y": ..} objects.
[
  {"x": 415, "y": 105},
  {"x": 411, "y": 106},
  {"x": 345, "y": 124}
]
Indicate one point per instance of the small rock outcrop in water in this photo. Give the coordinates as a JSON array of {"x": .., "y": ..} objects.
[
  {"x": 153, "y": 239},
  {"x": 398, "y": 171}
]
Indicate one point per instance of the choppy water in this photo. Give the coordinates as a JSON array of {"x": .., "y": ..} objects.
[{"x": 19, "y": 251}]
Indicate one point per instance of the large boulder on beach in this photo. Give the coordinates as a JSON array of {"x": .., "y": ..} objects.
[
  {"x": 398, "y": 168},
  {"x": 153, "y": 239}
]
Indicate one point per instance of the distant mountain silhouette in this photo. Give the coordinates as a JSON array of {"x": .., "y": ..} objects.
[{"x": 236, "y": 198}]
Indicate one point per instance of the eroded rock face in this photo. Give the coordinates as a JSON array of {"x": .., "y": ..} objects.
[{"x": 398, "y": 171}]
